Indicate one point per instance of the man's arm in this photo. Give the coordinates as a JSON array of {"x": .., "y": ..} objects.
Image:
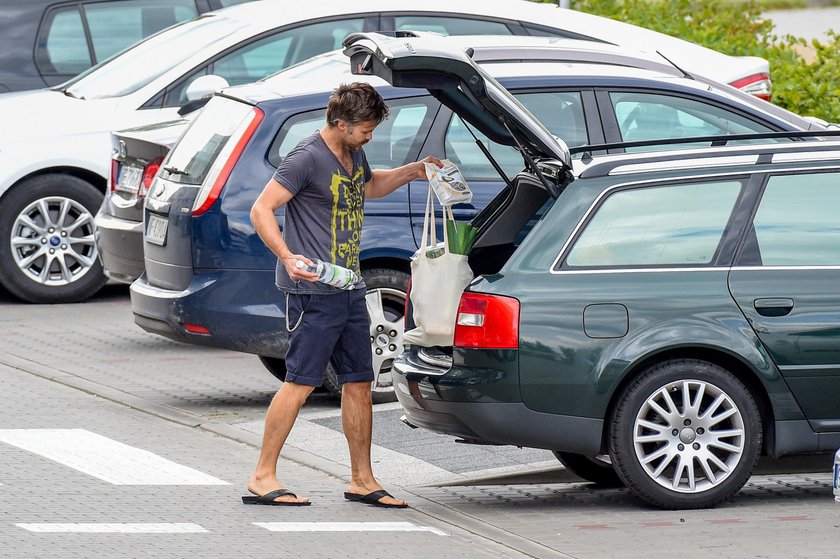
[
  {"x": 272, "y": 198},
  {"x": 385, "y": 181}
]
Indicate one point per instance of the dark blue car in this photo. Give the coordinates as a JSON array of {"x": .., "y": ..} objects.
[{"x": 209, "y": 279}]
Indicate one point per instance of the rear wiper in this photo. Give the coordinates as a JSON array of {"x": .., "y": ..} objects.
[
  {"x": 175, "y": 171},
  {"x": 549, "y": 185}
]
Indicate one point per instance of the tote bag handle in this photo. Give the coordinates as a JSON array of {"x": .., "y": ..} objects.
[{"x": 429, "y": 222}]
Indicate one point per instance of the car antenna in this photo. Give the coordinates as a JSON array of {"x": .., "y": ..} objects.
[{"x": 671, "y": 62}]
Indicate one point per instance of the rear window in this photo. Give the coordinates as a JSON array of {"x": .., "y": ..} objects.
[
  {"x": 796, "y": 223},
  {"x": 672, "y": 225},
  {"x": 651, "y": 116},
  {"x": 195, "y": 153}
]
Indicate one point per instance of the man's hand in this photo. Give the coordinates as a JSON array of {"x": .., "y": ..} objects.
[
  {"x": 421, "y": 172},
  {"x": 295, "y": 273}
]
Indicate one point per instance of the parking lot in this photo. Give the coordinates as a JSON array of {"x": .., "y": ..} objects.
[{"x": 517, "y": 499}]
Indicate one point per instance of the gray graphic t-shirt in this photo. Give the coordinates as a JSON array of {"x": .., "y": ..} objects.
[{"x": 324, "y": 219}]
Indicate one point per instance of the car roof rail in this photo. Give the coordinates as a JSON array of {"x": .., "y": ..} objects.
[{"x": 606, "y": 166}]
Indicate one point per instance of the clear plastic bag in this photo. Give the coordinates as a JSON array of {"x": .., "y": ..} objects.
[{"x": 448, "y": 183}]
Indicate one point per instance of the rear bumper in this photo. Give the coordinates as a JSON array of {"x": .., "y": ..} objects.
[
  {"x": 120, "y": 245},
  {"x": 435, "y": 400},
  {"x": 243, "y": 311}
]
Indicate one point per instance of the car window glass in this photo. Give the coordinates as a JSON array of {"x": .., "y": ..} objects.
[
  {"x": 450, "y": 25},
  {"x": 649, "y": 116},
  {"x": 226, "y": 3},
  {"x": 460, "y": 148},
  {"x": 156, "y": 55},
  {"x": 405, "y": 128},
  {"x": 538, "y": 31},
  {"x": 62, "y": 48},
  {"x": 203, "y": 140},
  {"x": 116, "y": 25},
  {"x": 796, "y": 223},
  {"x": 266, "y": 56},
  {"x": 674, "y": 225},
  {"x": 560, "y": 112}
]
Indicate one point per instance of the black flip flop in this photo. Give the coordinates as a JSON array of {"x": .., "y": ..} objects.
[
  {"x": 268, "y": 499},
  {"x": 372, "y": 498}
]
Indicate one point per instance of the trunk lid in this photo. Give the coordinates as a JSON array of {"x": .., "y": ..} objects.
[{"x": 452, "y": 76}]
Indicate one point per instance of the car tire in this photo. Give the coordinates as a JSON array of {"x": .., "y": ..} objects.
[
  {"x": 275, "y": 366},
  {"x": 385, "y": 297},
  {"x": 685, "y": 434},
  {"x": 47, "y": 248},
  {"x": 595, "y": 469}
]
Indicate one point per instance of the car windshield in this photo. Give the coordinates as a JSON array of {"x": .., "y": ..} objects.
[{"x": 137, "y": 66}]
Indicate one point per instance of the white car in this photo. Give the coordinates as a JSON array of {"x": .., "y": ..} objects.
[{"x": 55, "y": 149}]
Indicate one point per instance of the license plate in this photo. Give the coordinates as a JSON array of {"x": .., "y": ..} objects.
[
  {"x": 129, "y": 178},
  {"x": 156, "y": 230}
]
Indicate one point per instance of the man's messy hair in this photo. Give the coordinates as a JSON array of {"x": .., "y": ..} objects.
[{"x": 354, "y": 103}]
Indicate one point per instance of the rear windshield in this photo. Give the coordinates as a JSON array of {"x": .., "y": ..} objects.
[{"x": 195, "y": 153}]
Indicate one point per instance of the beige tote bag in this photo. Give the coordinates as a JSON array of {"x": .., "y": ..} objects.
[{"x": 438, "y": 278}]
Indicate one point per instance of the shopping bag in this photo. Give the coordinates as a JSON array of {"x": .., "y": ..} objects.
[{"x": 438, "y": 278}]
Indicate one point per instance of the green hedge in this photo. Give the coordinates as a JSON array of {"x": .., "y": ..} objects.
[{"x": 737, "y": 28}]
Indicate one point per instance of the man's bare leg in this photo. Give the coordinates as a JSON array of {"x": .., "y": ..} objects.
[
  {"x": 357, "y": 421},
  {"x": 279, "y": 420}
]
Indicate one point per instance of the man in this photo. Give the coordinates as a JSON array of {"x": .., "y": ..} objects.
[{"x": 323, "y": 183}]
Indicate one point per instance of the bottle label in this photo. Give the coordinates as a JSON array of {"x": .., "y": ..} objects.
[
  {"x": 330, "y": 274},
  {"x": 338, "y": 276}
]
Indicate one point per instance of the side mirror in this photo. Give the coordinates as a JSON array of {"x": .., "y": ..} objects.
[{"x": 205, "y": 86}]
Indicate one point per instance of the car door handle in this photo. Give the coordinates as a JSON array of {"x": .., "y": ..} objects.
[{"x": 774, "y": 307}]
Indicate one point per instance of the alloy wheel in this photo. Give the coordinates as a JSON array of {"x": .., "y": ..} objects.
[
  {"x": 385, "y": 308},
  {"x": 53, "y": 242},
  {"x": 689, "y": 436}
]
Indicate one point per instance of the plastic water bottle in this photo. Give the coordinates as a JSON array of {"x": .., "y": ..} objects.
[
  {"x": 837, "y": 477},
  {"x": 336, "y": 276}
]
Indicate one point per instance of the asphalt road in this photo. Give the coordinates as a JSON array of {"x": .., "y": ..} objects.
[{"x": 118, "y": 443}]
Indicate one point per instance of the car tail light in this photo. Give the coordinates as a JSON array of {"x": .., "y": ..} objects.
[
  {"x": 115, "y": 175},
  {"x": 487, "y": 321},
  {"x": 196, "y": 329},
  {"x": 224, "y": 163},
  {"x": 149, "y": 174},
  {"x": 756, "y": 84}
]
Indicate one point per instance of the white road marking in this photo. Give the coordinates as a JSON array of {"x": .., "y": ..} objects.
[
  {"x": 347, "y": 527},
  {"x": 105, "y": 458},
  {"x": 116, "y": 528}
]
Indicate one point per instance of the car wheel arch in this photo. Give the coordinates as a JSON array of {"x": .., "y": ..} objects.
[
  {"x": 386, "y": 262},
  {"x": 98, "y": 181},
  {"x": 740, "y": 368}
]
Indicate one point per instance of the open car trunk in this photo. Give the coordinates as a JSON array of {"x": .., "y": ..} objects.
[
  {"x": 505, "y": 222},
  {"x": 502, "y": 226}
]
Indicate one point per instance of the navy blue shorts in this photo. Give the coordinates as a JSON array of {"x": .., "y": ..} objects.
[{"x": 335, "y": 329}]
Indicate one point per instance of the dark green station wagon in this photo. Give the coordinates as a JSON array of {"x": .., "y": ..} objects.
[{"x": 657, "y": 319}]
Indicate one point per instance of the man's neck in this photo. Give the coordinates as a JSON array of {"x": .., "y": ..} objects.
[{"x": 335, "y": 143}]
